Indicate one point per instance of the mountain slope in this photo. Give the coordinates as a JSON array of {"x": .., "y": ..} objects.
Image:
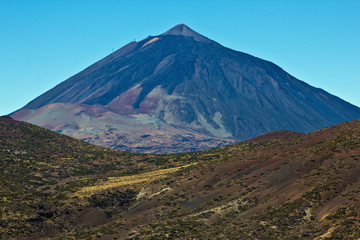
[
  {"x": 183, "y": 80},
  {"x": 281, "y": 185}
]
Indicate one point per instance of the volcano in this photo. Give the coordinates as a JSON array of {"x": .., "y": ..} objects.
[{"x": 181, "y": 91}]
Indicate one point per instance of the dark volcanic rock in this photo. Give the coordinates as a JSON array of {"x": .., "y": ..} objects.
[{"x": 187, "y": 81}]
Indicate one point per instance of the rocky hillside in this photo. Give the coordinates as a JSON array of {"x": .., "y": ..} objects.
[
  {"x": 180, "y": 91},
  {"x": 282, "y": 185}
]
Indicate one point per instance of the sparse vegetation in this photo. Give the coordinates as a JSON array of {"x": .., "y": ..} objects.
[{"x": 274, "y": 187}]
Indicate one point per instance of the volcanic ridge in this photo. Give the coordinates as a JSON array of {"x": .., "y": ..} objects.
[{"x": 282, "y": 185}]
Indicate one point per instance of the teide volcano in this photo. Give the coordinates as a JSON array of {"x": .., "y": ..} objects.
[{"x": 181, "y": 91}]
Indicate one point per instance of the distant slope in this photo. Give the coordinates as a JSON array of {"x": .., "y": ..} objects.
[
  {"x": 137, "y": 133},
  {"x": 182, "y": 83},
  {"x": 279, "y": 186}
]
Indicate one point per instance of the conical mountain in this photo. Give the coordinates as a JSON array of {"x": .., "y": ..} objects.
[{"x": 180, "y": 91}]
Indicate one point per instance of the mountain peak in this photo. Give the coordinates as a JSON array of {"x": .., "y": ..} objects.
[
  {"x": 180, "y": 29},
  {"x": 183, "y": 30},
  {"x": 184, "y": 92}
]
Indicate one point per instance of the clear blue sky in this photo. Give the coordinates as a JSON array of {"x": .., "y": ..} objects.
[{"x": 44, "y": 42}]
